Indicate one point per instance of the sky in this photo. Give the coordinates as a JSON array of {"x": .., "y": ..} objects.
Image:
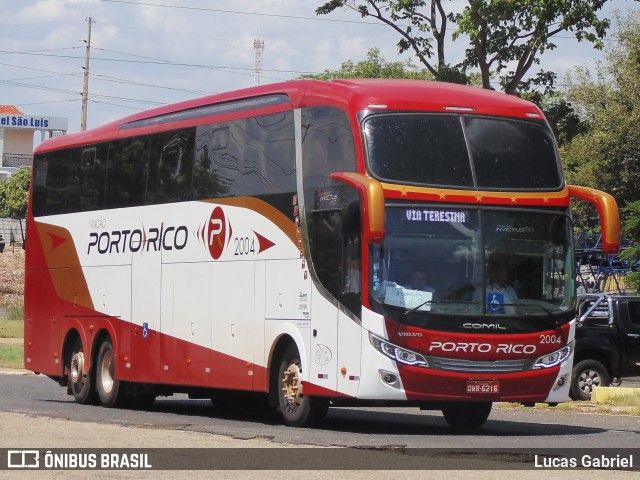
[{"x": 147, "y": 53}]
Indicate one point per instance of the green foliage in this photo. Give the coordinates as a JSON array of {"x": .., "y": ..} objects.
[
  {"x": 418, "y": 30},
  {"x": 375, "y": 66},
  {"x": 607, "y": 155},
  {"x": 506, "y": 31},
  {"x": 11, "y": 328},
  {"x": 501, "y": 33},
  {"x": 631, "y": 229},
  {"x": 15, "y": 313},
  {"x": 11, "y": 356},
  {"x": 14, "y": 195}
]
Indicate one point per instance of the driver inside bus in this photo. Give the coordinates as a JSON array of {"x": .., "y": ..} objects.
[
  {"x": 419, "y": 282},
  {"x": 501, "y": 296}
]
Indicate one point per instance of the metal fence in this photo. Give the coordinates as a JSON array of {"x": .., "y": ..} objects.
[
  {"x": 11, "y": 232},
  {"x": 16, "y": 160}
]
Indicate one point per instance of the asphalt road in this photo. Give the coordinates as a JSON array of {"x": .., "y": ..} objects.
[{"x": 362, "y": 427}]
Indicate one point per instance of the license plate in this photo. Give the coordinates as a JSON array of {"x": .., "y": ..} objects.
[{"x": 479, "y": 387}]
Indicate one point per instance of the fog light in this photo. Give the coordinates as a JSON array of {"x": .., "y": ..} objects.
[
  {"x": 390, "y": 378},
  {"x": 561, "y": 381}
]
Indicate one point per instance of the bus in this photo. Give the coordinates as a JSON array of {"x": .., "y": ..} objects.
[{"x": 309, "y": 244}]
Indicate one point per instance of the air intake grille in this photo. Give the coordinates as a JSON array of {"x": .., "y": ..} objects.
[{"x": 498, "y": 366}]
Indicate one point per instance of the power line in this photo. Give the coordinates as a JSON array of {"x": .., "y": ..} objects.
[
  {"x": 238, "y": 12},
  {"x": 157, "y": 62}
]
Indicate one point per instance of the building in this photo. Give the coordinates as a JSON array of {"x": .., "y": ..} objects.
[{"x": 20, "y": 132}]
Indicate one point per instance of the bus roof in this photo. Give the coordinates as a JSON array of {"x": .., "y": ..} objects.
[{"x": 351, "y": 95}]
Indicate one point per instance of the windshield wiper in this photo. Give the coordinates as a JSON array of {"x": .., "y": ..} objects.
[
  {"x": 408, "y": 312},
  {"x": 554, "y": 320}
]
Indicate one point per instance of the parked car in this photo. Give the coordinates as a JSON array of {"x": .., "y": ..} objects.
[{"x": 607, "y": 342}]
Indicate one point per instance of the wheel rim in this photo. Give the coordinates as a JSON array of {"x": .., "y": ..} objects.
[
  {"x": 589, "y": 379},
  {"x": 78, "y": 376},
  {"x": 107, "y": 372},
  {"x": 292, "y": 386}
]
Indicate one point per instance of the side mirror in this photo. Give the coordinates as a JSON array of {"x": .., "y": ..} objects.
[
  {"x": 372, "y": 200},
  {"x": 608, "y": 211}
]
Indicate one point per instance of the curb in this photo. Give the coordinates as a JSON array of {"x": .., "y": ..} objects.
[
  {"x": 603, "y": 394},
  {"x": 15, "y": 371}
]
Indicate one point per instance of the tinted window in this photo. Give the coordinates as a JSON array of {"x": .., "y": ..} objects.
[
  {"x": 332, "y": 209},
  {"x": 461, "y": 151},
  {"x": 418, "y": 148},
  {"x": 170, "y": 166},
  {"x": 512, "y": 154},
  {"x": 253, "y": 156},
  {"x": 250, "y": 156},
  {"x": 634, "y": 313},
  {"x": 92, "y": 171},
  {"x": 127, "y": 172},
  {"x": 55, "y": 185}
]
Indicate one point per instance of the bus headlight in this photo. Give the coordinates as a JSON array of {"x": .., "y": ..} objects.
[
  {"x": 553, "y": 359},
  {"x": 399, "y": 354}
]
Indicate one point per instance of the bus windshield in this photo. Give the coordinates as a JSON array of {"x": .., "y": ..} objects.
[
  {"x": 474, "y": 261},
  {"x": 462, "y": 151}
]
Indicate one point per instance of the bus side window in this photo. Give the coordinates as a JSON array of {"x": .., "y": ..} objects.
[
  {"x": 171, "y": 163},
  {"x": 93, "y": 173},
  {"x": 211, "y": 142},
  {"x": 63, "y": 182},
  {"x": 127, "y": 172}
]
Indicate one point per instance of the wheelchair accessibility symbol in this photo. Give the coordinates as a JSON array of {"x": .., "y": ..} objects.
[{"x": 145, "y": 330}]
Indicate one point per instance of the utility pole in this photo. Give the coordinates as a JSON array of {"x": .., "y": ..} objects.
[
  {"x": 258, "y": 46},
  {"x": 85, "y": 86}
]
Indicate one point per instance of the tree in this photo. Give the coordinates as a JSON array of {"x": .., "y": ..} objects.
[
  {"x": 631, "y": 229},
  {"x": 14, "y": 195},
  {"x": 607, "y": 155},
  {"x": 500, "y": 32},
  {"x": 375, "y": 66}
]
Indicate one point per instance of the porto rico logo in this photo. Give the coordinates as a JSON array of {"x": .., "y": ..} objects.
[{"x": 217, "y": 233}]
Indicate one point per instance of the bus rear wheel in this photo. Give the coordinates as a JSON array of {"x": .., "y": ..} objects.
[
  {"x": 467, "y": 416},
  {"x": 297, "y": 409},
  {"x": 110, "y": 390},
  {"x": 80, "y": 380}
]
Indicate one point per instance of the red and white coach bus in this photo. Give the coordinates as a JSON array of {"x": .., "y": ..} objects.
[{"x": 317, "y": 243}]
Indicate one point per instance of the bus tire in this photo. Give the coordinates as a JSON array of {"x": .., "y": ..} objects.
[
  {"x": 467, "y": 415},
  {"x": 110, "y": 391},
  {"x": 79, "y": 380},
  {"x": 297, "y": 409},
  {"x": 585, "y": 375}
]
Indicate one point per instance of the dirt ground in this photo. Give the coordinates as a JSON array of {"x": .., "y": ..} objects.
[{"x": 11, "y": 276}]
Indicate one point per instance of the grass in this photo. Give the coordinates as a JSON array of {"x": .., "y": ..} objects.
[
  {"x": 15, "y": 312},
  {"x": 13, "y": 325},
  {"x": 11, "y": 328},
  {"x": 627, "y": 399},
  {"x": 622, "y": 405},
  {"x": 11, "y": 356}
]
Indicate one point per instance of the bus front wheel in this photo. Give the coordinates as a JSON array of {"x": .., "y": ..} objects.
[
  {"x": 467, "y": 416},
  {"x": 110, "y": 390},
  {"x": 297, "y": 409}
]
